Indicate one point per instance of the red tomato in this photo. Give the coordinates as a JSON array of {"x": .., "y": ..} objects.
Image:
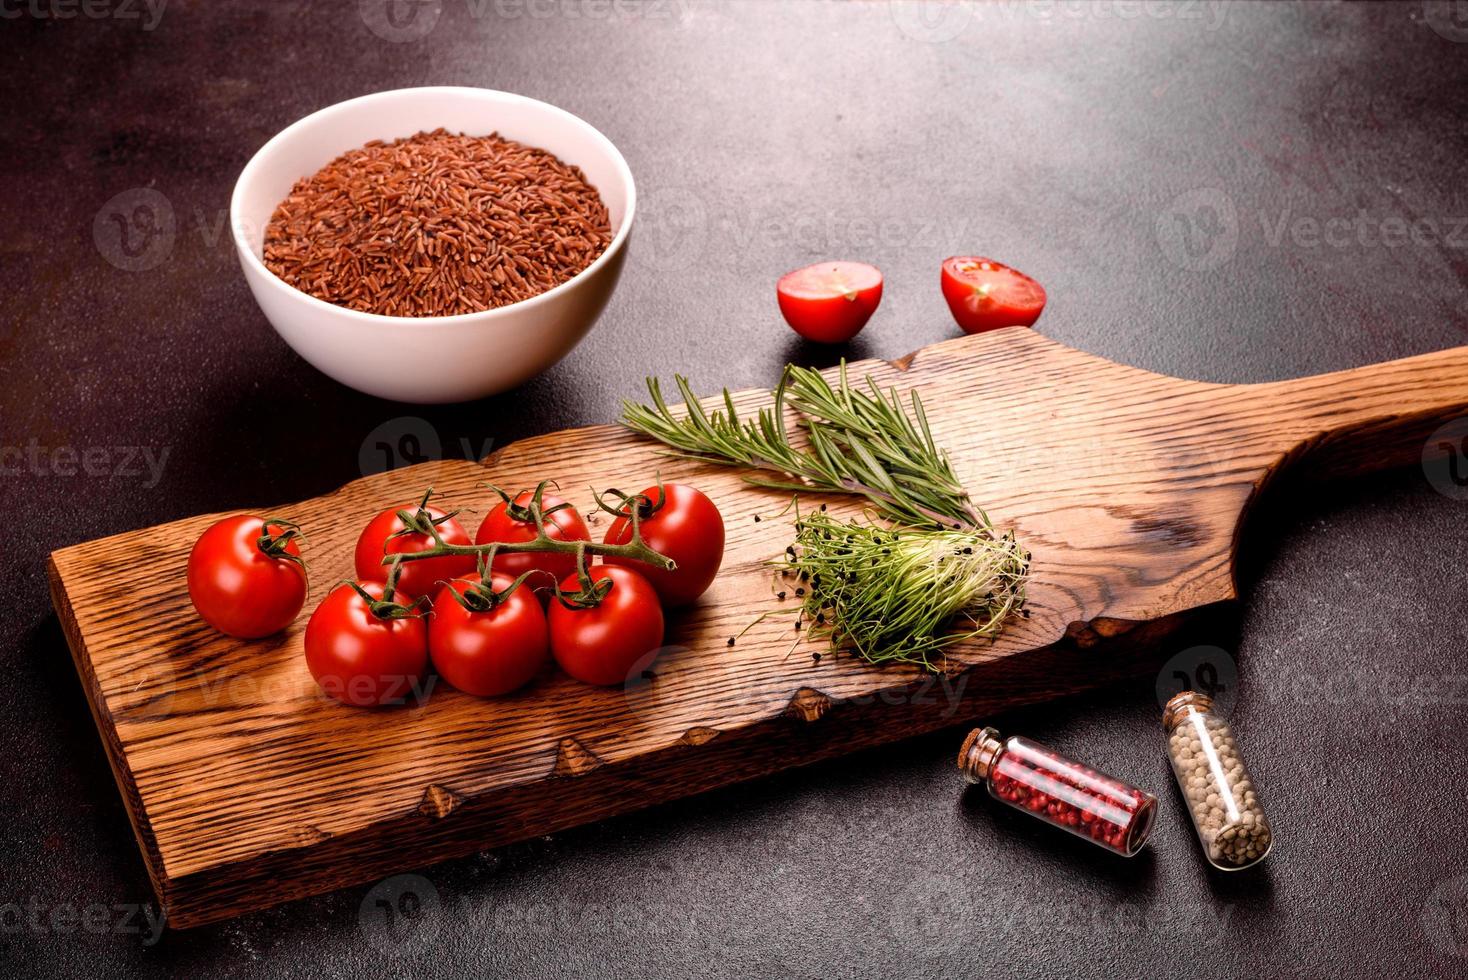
[
  {"x": 830, "y": 302},
  {"x": 986, "y": 295},
  {"x": 511, "y": 523},
  {"x": 683, "y": 525},
  {"x": 490, "y": 652},
  {"x": 419, "y": 577},
  {"x": 359, "y": 658},
  {"x": 602, "y": 644},
  {"x": 242, "y": 588}
]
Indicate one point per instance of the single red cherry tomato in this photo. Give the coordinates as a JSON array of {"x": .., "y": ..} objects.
[
  {"x": 246, "y": 578},
  {"x": 986, "y": 295},
  {"x": 488, "y": 652},
  {"x": 684, "y": 525},
  {"x": 511, "y": 523},
  {"x": 602, "y": 644},
  {"x": 380, "y": 537},
  {"x": 830, "y": 302},
  {"x": 360, "y": 658}
]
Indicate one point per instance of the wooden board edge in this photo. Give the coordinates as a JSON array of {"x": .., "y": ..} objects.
[
  {"x": 106, "y": 727},
  {"x": 815, "y": 728}
]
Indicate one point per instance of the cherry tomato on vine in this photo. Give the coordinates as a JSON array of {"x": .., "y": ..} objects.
[
  {"x": 511, "y": 523},
  {"x": 680, "y": 523},
  {"x": 830, "y": 302},
  {"x": 603, "y": 643},
  {"x": 380, "y": 537},
  {"x": 361, "y": 658},
  {"x": 246, "y": 577},
  {"x": 490, "y": 651},
  {"x": 985, "y": 295}
]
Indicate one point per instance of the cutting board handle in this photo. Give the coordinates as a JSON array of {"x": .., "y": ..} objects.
[{"x": 1365, "y": 419}]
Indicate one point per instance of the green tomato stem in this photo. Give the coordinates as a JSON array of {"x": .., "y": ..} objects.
[{"x": 635, "y": 549}]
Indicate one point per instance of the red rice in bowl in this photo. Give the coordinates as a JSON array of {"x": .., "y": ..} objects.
[{"x": 437, "y": 224}]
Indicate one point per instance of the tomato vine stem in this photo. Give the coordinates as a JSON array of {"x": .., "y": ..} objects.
[{"x": 635, "y": 549}]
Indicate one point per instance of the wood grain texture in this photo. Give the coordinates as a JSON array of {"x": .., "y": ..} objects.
[{"x": 246, "y": 787}]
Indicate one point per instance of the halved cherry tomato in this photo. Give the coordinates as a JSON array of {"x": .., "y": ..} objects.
[
  {"x": 602, "y": 644},
  {"x": 830, "y": 302},
  {"x": 246, "y": 578},
  {"x": 380, "y": 537},
  {"x": 680, "y": 523},
  {"x": 986, "y": 295},
  {"x": 360, "y": 658},
  {"x": 511, "y": 523},
  {"x": 492, "y": 651}
]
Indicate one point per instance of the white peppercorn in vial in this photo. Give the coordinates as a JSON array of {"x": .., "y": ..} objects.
[{"x": 1219, "y": 791}]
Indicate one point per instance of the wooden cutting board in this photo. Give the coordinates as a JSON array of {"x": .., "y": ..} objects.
[{"x": 247, "y": 788}]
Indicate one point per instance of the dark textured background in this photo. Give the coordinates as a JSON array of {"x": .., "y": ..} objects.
[{"x": 1079, "y": 143}]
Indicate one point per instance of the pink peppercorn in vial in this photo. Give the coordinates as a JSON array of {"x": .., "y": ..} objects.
[{"x": 1060, "y": 791}]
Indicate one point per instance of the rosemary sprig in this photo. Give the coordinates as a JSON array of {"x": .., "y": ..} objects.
[
  {"x": 904, "y": 594},
  {"x": 859, "y": 442}
]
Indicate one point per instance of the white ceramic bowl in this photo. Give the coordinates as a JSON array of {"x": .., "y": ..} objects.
[{"x": 484, "y": 353}]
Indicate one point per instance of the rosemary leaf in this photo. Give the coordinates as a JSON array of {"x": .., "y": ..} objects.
[{"x": 858, "y": 441}]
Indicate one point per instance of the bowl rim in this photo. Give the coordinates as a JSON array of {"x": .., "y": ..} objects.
[{"x": 247, "y": 253}]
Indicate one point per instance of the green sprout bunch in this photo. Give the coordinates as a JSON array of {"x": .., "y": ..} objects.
[{"x": 895, "y": 593}]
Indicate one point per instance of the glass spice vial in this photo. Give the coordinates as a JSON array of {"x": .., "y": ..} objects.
[
  {"x": 1220, "y": 794},
  {"x": 1062, "y": 792}
]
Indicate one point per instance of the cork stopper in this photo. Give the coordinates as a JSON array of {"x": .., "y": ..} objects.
[
  {"x": 980, "y": 750},
  {"x": 1180, "y": 702}
]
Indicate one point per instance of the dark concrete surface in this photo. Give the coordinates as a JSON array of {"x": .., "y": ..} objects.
[{"x": 1169, "y": 172}]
